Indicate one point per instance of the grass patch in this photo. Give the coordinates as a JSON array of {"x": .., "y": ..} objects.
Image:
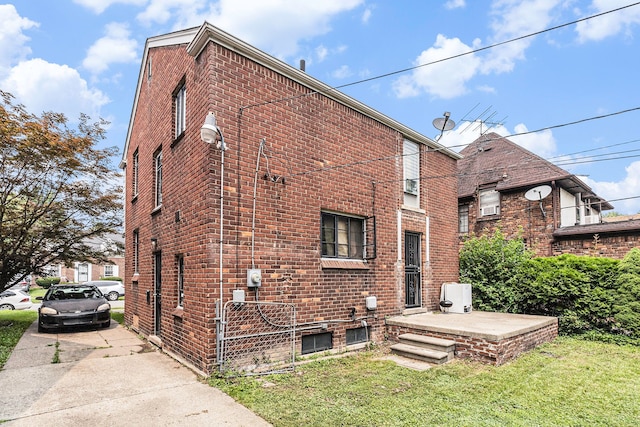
[
  {"x": 567, "y": 382},
  {"x": 13, "y": 323},
  {"x": 36, "y": 292},
  {"x": 118, "y": 317}
]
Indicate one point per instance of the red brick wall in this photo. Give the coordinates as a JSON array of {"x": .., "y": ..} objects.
[
  {"x": 331, "y": 158},
  {"x": 598, "y": 245}
]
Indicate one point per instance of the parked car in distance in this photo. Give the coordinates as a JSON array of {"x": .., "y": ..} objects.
[
  {"x": 24, "y": 285},
  {"x": 112, "y": 289},
  {"x": 13, "y": 299},
  {"x": 73, "y": 305}
]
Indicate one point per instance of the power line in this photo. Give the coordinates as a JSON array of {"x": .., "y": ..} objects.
[{"x": 481, "y": 49}]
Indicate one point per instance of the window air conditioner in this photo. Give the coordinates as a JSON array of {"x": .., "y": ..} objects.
[
  {"x": 411, "y": 186},
  {"x": 489, "y": 210}
]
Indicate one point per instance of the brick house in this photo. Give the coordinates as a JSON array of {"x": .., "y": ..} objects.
[
  {"x": 80, "y": 272},
  {"x": 496, "y": 181},
  {"x": 308, "y": 198}
]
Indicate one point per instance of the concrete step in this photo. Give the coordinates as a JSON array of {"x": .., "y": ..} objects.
[
  {"x": 420, "y": 353},
  {"x": 433, "y": 343}
]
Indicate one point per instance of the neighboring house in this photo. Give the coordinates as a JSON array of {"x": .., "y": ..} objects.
[
  {"x": 328, "y": 205},
  {"x": 496, "y": 181},
  {"x": 84, "y": 271}
]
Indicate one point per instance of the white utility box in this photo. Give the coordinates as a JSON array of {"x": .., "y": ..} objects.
[{"x": 460, "y": 296}]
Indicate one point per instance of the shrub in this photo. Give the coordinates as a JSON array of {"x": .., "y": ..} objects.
[
  {"x": 115, "y": 278},
  {"x": 627, "y": 303},
  {"x": 492, "y": 264},
  {"x": 46, "y": 282}
]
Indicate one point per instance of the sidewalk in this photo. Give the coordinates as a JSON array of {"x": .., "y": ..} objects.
[{"x": 104, "y": 378}]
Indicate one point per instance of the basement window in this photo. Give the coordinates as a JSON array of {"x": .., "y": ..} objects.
[
  {"x": 357, "y": 335},
  {"x": 317, "y": 342}
]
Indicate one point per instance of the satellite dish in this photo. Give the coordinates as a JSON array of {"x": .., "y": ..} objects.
[
  {"x": 537, "y": 193},
  {"x": 443, "y": 123}
]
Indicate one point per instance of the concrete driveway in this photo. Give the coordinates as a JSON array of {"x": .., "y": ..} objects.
[{"x": 107, "y": 377}]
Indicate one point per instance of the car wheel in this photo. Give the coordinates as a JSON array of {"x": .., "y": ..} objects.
[
  {"x": 6, "y": 307},
  {"x": 112, "y": 296}
]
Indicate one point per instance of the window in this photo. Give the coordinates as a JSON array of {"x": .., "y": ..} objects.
[
  {"x": 489, "y": 202},
  {"x": 108, "y": 271},
  {"x": 317, "y": 342},
  {"x": 179, "y": 106},
  {"x": 136, "y": 250},
  {"x": 463, "y": 218},
  {"x": 134, "y": 177},
  {"x": 342, "y": 236},
  {"x": 411, "y": 170},
  {"x": 157, "y": 169},
  {"x": 357, "y": 335},
  {"x": 180, "y": 265}
]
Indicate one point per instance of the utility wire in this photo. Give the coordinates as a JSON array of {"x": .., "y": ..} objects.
[{"x": 481, "y": 49}]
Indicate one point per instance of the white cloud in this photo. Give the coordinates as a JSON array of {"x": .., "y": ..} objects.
[
  {"x": 43, "y": 86},
  {"x": 342, "y": 73},
  {"x": 446, "y": 79},
  {"x": 13, "y": 42},
  {"x": 610, "y": 24},
  {"x": 275, "y": 26},
  {"x": 455, "y": 4},
  {"x": 366, "y": 15},
  {"x": 99, "y": 6},
  {"x": 114, "y": 47},
  {"x": 629, "y": 186},
  {"x": 321, "y": 53},
  {"x": 541, "y": 143},
  {"x": 512, "y": 19}
]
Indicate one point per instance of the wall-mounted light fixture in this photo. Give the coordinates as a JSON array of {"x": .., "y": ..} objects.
[
  {"x": 211, "y": 133},
  {"x": 154, "y": 243}
]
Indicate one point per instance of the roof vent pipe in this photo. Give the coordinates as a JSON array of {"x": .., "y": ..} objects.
[{"x": 303, "y": 65}]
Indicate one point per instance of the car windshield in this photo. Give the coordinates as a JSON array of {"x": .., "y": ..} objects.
[{"x": 72, "y": 292}]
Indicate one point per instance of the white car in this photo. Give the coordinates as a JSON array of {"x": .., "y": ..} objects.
[
  {"x": 13, "y": 299},
  {"x": 111, "y": 289}
]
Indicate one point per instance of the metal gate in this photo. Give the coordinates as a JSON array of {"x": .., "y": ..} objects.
[{"x": 257, "y": 338}]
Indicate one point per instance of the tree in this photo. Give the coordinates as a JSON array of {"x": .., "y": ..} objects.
[{"x": 57, "y": 190}]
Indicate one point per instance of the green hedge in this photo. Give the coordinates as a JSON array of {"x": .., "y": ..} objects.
[
  {"x": 587, "y": 294},
  {"x": 46, "y": 282},
  {"x": 115, "y": 278}
]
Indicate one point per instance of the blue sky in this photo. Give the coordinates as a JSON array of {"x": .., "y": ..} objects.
[{"x": 74, "y": 56}]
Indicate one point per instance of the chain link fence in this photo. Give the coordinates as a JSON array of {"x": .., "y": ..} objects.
[{"x": 257, "y": 338}]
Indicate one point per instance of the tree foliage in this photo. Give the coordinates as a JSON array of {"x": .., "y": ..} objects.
[
  {"x": 627, "y": 304},
  {"x": 57, "y": 190},
  {"x": 492, "y": 263}
]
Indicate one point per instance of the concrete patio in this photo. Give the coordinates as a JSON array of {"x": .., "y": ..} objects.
[{"x": 485, "y": 336}]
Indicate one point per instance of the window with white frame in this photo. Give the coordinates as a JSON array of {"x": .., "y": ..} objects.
[
  {"x": 342, "y": 236},
  {"x": 109, "y": 270},
  {"x": 179, "y": 106},
  {"x": 411, "y": 173},
  {"x": 134, "y": 174},
  {"x": 489, "y": 202},
  {"x": 157, "y": 170},
  {"x": 180, "y": 267}
]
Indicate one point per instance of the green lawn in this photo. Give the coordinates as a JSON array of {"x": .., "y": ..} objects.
[
  {"x": 567, "y": 382},
  {"x": 13, "y": 323}
]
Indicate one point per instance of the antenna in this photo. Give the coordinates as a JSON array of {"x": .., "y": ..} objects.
[
  {"x": 443, "y": 123},
  {"x": 538, "y": 193},
  {"x": 481, "y": 119}
]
